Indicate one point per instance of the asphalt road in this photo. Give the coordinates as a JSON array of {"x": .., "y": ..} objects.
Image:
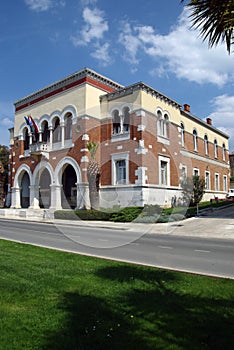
[{"x": 208, "y": 256}]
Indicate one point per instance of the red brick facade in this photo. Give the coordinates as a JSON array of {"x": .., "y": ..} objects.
[{"x": 138, "y": 164}]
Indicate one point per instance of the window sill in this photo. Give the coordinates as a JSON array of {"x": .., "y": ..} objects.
[
  {"x": 120, "y": 137},
  {"x": 163, "y": 139}
]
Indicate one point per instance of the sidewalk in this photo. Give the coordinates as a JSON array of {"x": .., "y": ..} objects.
[{"x": 210, "y": 224}]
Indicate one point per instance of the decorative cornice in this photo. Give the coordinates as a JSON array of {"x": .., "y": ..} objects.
[
  {"x": 85, "y": 75},
  {"x": 143, "y": 87},
  {"x": 203, "y": 123},
  {"x": 204, "y": 159}
]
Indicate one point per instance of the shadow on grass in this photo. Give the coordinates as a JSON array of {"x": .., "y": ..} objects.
[{"x": 150, "y": 313}]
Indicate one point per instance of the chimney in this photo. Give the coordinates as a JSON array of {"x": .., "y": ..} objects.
[
  {"x": 209, "y": 121},
  {"x": 186, "y": 107}
]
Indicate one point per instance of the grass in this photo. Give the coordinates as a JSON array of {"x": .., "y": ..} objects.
[{"x": 62, "y": 301}]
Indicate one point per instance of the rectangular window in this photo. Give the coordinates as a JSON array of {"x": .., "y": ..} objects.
[
  {"x": 163, "y": 172},
  {"x": 120, "y": 166},
  {"x": 195, "y": 172},
  {"x": 225, "y": 183},
  {"x": 207, "y": 180},
  {"x": 216, "y": 182}
]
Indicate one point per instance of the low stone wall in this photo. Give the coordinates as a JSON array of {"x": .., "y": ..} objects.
[{"x": 27, "y": 214}]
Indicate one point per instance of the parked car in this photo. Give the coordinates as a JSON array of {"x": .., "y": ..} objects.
[{"x": 230, "y": 194}]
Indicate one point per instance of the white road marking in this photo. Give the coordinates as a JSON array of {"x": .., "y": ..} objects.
[
  {"x": 202, "y": 251},
  {"x": 164, "y": 247}
]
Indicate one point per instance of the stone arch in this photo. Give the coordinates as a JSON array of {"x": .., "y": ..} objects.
[
  {"x": 43, "y": 179},
  {"x": 69, "y": 109},
  {"x": 68, "y": 178},
  {"x": 21, "y": 191},
  {"x": 60, "y": 166}
]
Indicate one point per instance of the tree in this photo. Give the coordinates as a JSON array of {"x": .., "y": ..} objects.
[
  {"x": 193, "y": 190},
  {"x": 4, "y": 157},
  {"x": 214, "y": 19},
  {"x": 93, "y": 174}
]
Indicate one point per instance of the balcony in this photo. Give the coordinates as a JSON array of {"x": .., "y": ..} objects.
[{"x": 39, "y": 149}]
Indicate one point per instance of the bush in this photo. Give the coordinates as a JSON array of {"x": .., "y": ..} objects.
[
  {"x": 127, "y": 214},
  {"x": 82, "y": 215},
  {"x": 151, "y": 210}
]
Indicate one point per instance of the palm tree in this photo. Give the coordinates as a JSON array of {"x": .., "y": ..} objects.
[
  {"x": 215, "y": 19},
  {"x": 93, "y": 174}
]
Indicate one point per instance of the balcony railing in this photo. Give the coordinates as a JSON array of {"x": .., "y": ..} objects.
[{"x": 39, "y": 148}]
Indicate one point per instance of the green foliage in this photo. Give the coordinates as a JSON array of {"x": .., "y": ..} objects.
[
  {"x": 92, "y": 147},
  {"x": 82, "y": 215},
  {"x": 127, "y": 214},
  {"x": 62, "y": 301},
  {"x": 4, "y": 157},
  {"x": 192, "y": 189},
  {"x": 214, "y": 19}
]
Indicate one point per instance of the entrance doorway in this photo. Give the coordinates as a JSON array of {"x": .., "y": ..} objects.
[
  {"x": 25, "y": 191},
  {"x": 44, "y": 190},
  {"x": 69, "y": 190}
]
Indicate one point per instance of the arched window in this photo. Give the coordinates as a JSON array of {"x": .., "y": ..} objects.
[
  {"x": 206, "y": 148},
  {"x": 163, "y": 121},
  {"x": 116, "y": 123},
  {"x": 215, "y": 148},
  {"x": 126, "y": 119},
  {"x": 182, "y": 134},
  {"x": 26, "y": 138},
  {"x": 195, "y": 140},
  {"x": 45, "y": 132},
  {"x": 57, "y": 130},
  {"x": 68, "y": 127},
  {"x": 224, "y": 151}
]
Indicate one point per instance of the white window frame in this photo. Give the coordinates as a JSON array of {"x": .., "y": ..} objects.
[
  {"x": 224, "y": 151},
  {"x": 206, "y": 145},
  {"x": 195, "y": 137},
  {"x": 215, "y": 148},
  {"x": 207, "y": 177},
  {"x": 217, "y": 185},
  {"x": 225, "y": 183},
  {"x": 168, "y": 176},
  {"x": 114, "y": 159},
  {"x": 182, "y": 133},
  {"x": 196, "y": 170}
]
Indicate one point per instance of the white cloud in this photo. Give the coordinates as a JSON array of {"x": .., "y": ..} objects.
[
  {"x": 223, "y": 116},
  {"x": 39, "y": 5},
  {"x": 180, "y": 52},
  {"x": 131, "y": 43},
  {"x": 101, "y": 53},
  {"x": 6, "y": 122},
  {"x": 94, "y": 28}
]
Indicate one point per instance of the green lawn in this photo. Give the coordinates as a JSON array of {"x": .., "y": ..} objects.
[{"x": 62, "y": 301}]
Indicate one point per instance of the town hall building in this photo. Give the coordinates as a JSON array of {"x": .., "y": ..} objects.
[{"x": 147, "y": 143}]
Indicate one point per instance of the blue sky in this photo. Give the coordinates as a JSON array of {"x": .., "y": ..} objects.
[{"x": 42, "y": 41}]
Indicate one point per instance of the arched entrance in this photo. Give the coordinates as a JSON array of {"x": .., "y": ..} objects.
[
  {"x": 69, "y": 189},
  {"x": 25, "y": 191},
  {"x": 44, "y": 189}
]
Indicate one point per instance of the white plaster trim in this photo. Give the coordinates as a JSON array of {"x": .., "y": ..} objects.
[{"x": 203, "y": 159}]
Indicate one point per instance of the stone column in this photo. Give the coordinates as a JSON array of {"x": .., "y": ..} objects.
[
  {"x": 34, "y": 197},
  {"x": 51, "y": 138},
  {"x": 83, "y": 201},
  {"x": 15, "y": 197},
  {"x": 55, "y": 197},
  {"x": 62, "y": 134}
]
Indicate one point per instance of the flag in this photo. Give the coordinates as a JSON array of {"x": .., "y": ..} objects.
[
  {"x": 32, "y": 122},
  {"x": 32, "y": 125}
]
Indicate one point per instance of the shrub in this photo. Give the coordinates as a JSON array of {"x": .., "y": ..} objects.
[
  {"x": 127, "y": 214},
  {"x": 82, "y": 215}
]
